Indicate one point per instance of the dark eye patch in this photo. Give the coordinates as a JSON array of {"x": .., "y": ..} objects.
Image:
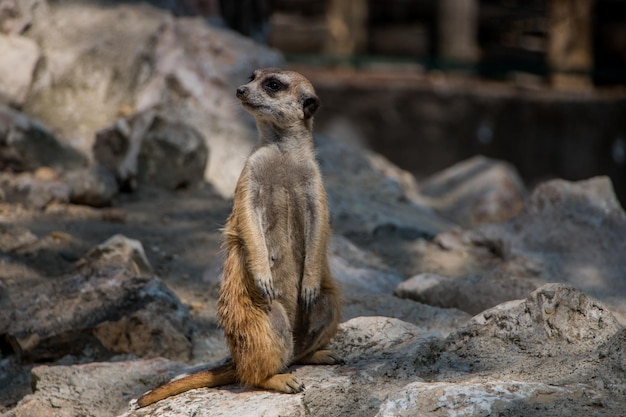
[
  {"x": 273, "y": 85},
  {"x": 251, "y": 77}
]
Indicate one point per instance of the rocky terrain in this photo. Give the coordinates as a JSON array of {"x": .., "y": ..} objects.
[{"x": 464, "y": 294}]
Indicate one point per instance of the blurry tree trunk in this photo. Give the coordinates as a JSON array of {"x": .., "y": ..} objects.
[
  {"x": 569, "y": 42},
  {"x": 458, "y": 32},
  {"x": 347, "y": 27}
]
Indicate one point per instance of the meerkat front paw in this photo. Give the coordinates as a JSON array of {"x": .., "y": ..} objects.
[
  {"x": 308, "y": 295},
  {"x": 266, "y": 286}
]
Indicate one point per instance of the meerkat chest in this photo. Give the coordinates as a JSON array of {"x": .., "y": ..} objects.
[{"x": 285, "y": 187}]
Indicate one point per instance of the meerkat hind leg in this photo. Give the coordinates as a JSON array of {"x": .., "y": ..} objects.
[{"x": 321, "y": 357}]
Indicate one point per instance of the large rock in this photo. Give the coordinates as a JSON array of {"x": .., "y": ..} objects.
[
  {"x": 93, "y": 389},
  {"x": 26, "y": 145},
  {"x": 203, "y": 95},
  {"x": 575, "y": 232},
  {"x": 93, "y": 186},
  {"x": 558, "y": 340},
  {"x": 483, "y": 267},
  {"x": 555, "y": 320},
  {"x": 150, "y": 148},
  {"x": 379, "y": 354},
  {"x": 471, "y": 293},
  {"x": 556, "y": 352},
  {"x": 358, "y": 271},
  {"x": 497, "y": 398},
  {"x": 182, "y": 65},
  {"x": 16, "y": 16},
  {"x": 107, "y": 306},
  {"x": 475, "y": 191},
  {"x": 32, "y": 191},
  {"x": 20, "y": 57},
  {"x": 369, "y": 198}
]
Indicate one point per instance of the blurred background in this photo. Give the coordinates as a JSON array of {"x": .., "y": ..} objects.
[{"x": 538, "y": 83}]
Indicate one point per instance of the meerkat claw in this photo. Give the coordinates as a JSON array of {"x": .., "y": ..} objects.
[
  {"x": 309, "y": 297},
  {"x": 266, "y": 288}
]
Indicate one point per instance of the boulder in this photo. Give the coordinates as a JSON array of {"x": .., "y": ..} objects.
[
  {"x": 30, "y": 191},
  {"x": 475, "y": 191},
  {"x": 379, "y": 354},
  {"x": 477, "y": 269},
  {"x": 204, "y": 95},
  {"x": 572, "y": 232},
  {"x": 25, "y": 145},
  {"x": 17, "y": 16},
  {"x": 563, "y": 353},
  {"x": 20, "y": 57},
  {"x": 366, "y": 202},
  {"x": 99, "y": 389},
  {"x": 471, "y": 293},
  {"x": 441, "y": 321},
  {"x": 184, "y": 67},
  {"x": 107, "y": 306},
  {"x": 557, "y": 352},
  {"x": 94, "y": 186},
  {"x": 555, "y": 320},
  {"x": 149, "y": 148},
  {"x": 497, "y": 398}
]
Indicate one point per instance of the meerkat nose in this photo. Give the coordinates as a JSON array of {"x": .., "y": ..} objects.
[{"x": 242, "y": 91}]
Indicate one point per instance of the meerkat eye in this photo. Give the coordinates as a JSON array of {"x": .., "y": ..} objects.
[
  {"x": 251, "y": 78},
  {"x": 273, "y": 85}
]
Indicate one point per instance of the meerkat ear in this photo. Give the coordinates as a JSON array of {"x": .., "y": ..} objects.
[{"x": 310, "y": 104}]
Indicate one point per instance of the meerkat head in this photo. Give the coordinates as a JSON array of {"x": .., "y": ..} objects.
[{"x": 280, "y": 97}]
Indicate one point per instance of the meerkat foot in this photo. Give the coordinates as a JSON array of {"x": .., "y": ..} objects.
[
  {"x": 322, "y": 357},
  {"x": 287, "y": 383}
]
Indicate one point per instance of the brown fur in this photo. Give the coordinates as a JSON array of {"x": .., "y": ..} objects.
[{"x": 278, "y": 303}]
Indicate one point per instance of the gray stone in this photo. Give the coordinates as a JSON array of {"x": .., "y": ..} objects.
[
  {"x": 17, "y": 16},
  {"x": 379, "y": 352},
  {"x": 585, "y": 211},
  {"x": 365, "y": 202},
  {"x": 182, "y": 66},
  {"x": 150, "y": 148},
  {"x": 13, "y": 237},
  {"x": 557, "y": 352},
  {"x": 94, "y": 186},
  {"x": 571, "y": 232},
  {"x": 484, "y": 399},
  {"x": 19, "y": 59},
  {"x": 26, "y": 145},
  {"x": 432, "y": 319},
  {"x": 30, "y": 191},
  {"x": 475, "y": 191},
  {"x": 93, "y": 389},
  {"x": 107, "y": 306},
  {"x": 554, "y": 320},
  {"x": 480, "y": 268},
  {"x": 471, "y": 293}
]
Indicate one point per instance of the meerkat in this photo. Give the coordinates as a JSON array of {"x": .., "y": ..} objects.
[{"x": 278, "y": 303}]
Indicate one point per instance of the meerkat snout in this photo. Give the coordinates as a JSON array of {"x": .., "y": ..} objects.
[{"x": 242, "y": 91}]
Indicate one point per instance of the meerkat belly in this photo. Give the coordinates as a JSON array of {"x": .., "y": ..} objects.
[{"x": 285, "y": 228}]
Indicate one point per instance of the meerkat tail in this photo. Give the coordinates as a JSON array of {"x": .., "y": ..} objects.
[{"x": 222, "y": 375}]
